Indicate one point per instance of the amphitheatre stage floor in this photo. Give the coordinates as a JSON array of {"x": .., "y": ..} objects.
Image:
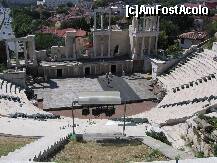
[{"x": 59, "y": 93}]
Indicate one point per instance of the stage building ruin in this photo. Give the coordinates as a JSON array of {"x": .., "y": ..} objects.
[{"x": 114, "y": 50}]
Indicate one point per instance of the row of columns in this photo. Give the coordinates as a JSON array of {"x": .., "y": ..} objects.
[
  {"x": 149, "y": 23},
  {"x": 8, "y": 53},
  {"x": 102, "y": 29},
  {"x": 30, "y": 50}
]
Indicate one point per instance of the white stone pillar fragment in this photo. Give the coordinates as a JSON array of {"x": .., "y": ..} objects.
[
  {"x": 31, "y": 48},
  {"x": 109, "y": 40},
  {"x": 69, "y": 45},
  {"x": 102, "y": 27}
]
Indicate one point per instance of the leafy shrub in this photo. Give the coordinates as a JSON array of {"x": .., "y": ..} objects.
[
  {"x": 159, "y": 136},
  {"x": 210, "y": 120},
  {"x": 153, "y": 155},
  {"x": 215, "y": 150},
  {"x": 2, "y": 68},
  {"x": 200, "y": 154}
]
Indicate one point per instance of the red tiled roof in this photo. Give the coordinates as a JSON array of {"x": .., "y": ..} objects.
[
  {"x": 194, "y": 35},
  {"x": 62, "y": 32}
]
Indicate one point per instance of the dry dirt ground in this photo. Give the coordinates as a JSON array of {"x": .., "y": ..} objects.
[{"x": 109, "y": 152}]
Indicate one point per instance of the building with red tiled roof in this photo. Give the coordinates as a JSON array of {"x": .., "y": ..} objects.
[
  {"x": 62, "y": 32},
  {"x": 186, "y": 40}
]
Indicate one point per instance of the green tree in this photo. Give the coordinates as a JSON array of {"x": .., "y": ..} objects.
[
  {"x": 174, "y": 50},
  {"x": 163, "y": 40},
  {"x": 46, "y": 40},
  {"x": 211, "y": 28},
  {"x": 79, "y": 23},
  {"x": 100, "y": 3}
]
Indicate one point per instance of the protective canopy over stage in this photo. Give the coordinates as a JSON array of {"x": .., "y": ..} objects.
[{"x": 98, "y": 98}]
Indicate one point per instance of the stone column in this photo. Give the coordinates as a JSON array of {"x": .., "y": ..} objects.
[
  {"x": 142, "y": 49},
  {"x": 149, "y": 46},
  {"x": 144, "y": 24},
  {"x": 109, "y": 19},
  {"x": 31, "y": 48},
  {"x": 102, "y": 27},
  {"x": 156, "y": 42},
  {"x": 158, "y": 23},
  {"x": 8, "y": 55},
  {"x": 69, "y": 45},
  {"x": 134, "y": 52},
  {"x": 94, "y": 45},
  {"x": 16, "y": 53},
  {"x": 148, "y": 24},
  {"x": 95, "y": 21},
  {"x": 152, "y": 23},
  {"x": 25, "y": 53},
  {"x": 135, "y": 24}
]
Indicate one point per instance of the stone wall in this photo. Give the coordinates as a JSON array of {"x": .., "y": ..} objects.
[
  {"x": 122, "y": 40},
  {"x": 159, "y": 67},
  {"x": 80, "y": 69},
  {"x": 58, "y": 52},
  {"x": 41, "y": 55},
  {"x": 16, "y": 77}
]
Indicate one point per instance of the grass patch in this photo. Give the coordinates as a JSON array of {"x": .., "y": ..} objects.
[
  {"x": 106, "y": 152},
  {"x": 10, "y": 144}
]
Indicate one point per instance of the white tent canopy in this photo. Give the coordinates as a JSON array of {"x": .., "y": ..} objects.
[{"x": 99, "y": 98}]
